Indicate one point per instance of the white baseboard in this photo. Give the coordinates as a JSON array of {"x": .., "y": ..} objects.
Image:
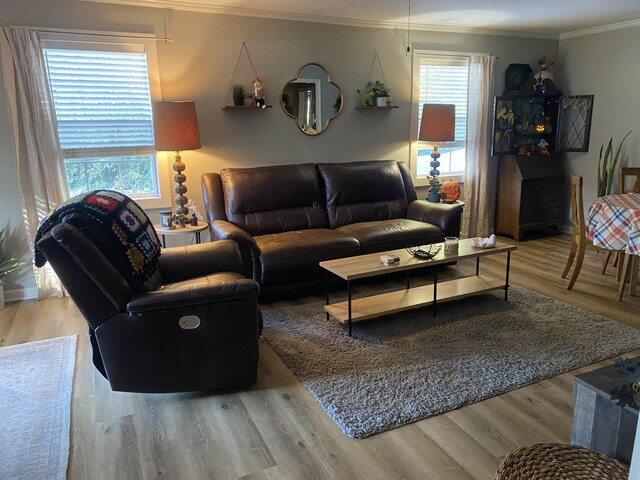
[{"x": 20, "y": 294}]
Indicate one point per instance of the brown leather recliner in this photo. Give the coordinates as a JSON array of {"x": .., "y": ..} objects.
[{"x": 193, "y": 326}]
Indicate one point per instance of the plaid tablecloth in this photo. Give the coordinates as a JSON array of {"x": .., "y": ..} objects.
[{"x": 614, "y": 222}]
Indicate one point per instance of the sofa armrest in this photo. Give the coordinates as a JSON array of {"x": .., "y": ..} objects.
[
  {"x": 444, "y": 215},
  {"x": 231, "y": 289},
  {"x": 248, "y": 248},
  {"x": 181, "y": 263}
]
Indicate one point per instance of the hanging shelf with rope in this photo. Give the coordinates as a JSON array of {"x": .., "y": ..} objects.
[
  {"x": 371, "y": 90},
  {"x": 253, "y": 106}
]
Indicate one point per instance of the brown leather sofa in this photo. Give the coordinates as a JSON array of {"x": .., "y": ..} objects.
[{"x": 287, "y": 218}]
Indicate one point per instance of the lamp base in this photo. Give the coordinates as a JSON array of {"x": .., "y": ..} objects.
[
  {"x": 434, "y": 197},
  {"x": 180, "y": 189}
]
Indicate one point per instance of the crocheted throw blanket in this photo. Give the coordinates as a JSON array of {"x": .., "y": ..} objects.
[{"x": 130, "y": 227}]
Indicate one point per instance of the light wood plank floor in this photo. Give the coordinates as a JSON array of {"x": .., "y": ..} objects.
[{"x": 276, "y": 430}]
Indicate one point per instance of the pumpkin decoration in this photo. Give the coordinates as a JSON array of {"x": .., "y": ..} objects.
[{"x": 450, "y": 191}]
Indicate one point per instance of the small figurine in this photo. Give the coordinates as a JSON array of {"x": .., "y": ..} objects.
[
  {"x": 258, "y": 91},
  {"x": 523, "y": 151},
  {"x": 176, "y": 221},
  {"x": 542, "y": 147}
]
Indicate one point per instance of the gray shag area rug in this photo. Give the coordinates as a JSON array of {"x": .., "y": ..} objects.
[
  {"x": 36, "y": 380},
  {"x": 404, "y": 367}
]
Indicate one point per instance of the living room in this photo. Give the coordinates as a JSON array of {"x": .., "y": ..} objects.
[{"x": 276, "y": 428}]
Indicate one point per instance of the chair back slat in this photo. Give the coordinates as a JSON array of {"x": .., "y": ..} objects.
[
  {"x": 626, "y": 172},
  {"x": 577, "y": 206}
]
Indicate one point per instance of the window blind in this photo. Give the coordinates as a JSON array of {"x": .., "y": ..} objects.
[
  {"x": 102, "y": 102},
  {"x": 446, "y": 82}
]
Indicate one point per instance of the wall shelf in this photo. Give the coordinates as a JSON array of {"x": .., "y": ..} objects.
[
  {"x": 374, "y": 107},
  {"x": 227, "y": 104},
  {"x": 364, "y": 104},
  {"x": 242, "y": 107}
]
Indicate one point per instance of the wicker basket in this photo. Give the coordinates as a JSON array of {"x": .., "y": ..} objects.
[{"x": 552, "y": 461}]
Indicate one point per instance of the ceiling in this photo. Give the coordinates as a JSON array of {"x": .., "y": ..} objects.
[{"x": 545, "y": 18}]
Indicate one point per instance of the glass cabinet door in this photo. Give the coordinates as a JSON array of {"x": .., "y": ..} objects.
[{"x": 574, "y": 123}]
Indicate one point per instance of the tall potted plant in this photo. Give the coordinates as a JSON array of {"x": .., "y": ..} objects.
[
  {"x": 8, "y": 264},
  {"x": 607, "y": 166}
]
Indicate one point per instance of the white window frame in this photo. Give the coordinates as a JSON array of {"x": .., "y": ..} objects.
[
  {"x": 416, "y": 107},
  {"x": 123, "y": 42}
]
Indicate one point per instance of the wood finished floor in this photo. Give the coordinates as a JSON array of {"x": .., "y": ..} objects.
[{"x": 276, "y": 430}]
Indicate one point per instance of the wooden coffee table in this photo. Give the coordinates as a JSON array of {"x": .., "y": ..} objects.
[{"x": 364, "y": 266}]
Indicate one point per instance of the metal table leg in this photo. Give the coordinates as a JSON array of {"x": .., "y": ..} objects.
[
  {"x": 435, "y": 290},
  {"x": 477, "y": 265},
  {"x": 349, "y": 303},
  {"x": 506, "y": 280},
  {"x": 326, "y": 290}
]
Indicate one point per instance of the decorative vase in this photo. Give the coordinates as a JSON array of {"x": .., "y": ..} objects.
[
  {"x": 382, "y": 101},
  {"x": 238, "y": 101},
  {"x": 248, "y": 101}
]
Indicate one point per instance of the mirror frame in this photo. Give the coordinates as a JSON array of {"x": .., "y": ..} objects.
[{"x": 295, "y": 118}]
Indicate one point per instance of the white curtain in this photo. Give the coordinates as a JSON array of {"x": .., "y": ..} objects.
[
  {"x": 35, "y": 137},
  {"x": 480, "y": 172}
]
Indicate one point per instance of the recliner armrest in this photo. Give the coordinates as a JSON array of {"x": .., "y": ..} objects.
[
  {"x": 181, "y": 263},
  {"x": 228, "y": 289},
  {"x": 249, "y": 251},
  {"x": 228, "y": 231},
  {"x": 444, "y": 215}
]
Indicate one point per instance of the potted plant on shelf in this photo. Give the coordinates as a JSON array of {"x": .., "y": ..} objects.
[
  {"x": 237, "y": 92},
  {"x": 381, "y": 93},
  {"x": 248, "y": 99},
  {"x": 8, "y": 264}
]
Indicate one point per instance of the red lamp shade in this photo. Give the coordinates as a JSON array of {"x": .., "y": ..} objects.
[
  {"x": 438, "y": 123},
  {"x": 175, "y": 126}
]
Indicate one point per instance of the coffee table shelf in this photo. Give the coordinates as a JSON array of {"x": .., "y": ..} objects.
[
  {"x": 364, "y": 266},
  {"x": 393, "y": 302}
]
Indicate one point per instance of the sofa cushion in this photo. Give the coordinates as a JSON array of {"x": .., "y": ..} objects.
[
  {"x": 290, "y": 256},
  {"x": 392, "y": 234},
  {"x": 363, "y": 191},
  {"x": 275, "y": 199}
]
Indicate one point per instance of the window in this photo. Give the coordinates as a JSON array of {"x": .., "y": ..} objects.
[
  {"x": 102, "y": 98},
  {"x": 442, "y": 79}
]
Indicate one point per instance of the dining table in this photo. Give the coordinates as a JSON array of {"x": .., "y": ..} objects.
[{"x": 613, "y": 222}]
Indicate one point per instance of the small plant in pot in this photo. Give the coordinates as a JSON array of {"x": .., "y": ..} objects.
[
  {"x": 8, "y": 264},
  {"x": 248, "y": 99},
  {"x": 381, "y": 92},
  {"x": 237, "y": 92}
]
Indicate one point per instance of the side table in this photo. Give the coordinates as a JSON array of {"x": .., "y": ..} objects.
[
  {"x": 195, "y": 231},
  {"x": 598, "y": 422}
]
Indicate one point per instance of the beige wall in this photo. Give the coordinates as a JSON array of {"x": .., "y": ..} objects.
[
  {"x": 605, "y": 65},
  {"x": 199, "y": 63}
]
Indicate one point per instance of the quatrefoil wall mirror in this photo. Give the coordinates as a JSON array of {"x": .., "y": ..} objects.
[{"x": 311, "y": 99}]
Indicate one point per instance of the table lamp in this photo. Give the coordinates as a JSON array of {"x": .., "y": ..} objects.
[
  {"x": 175, "y": 128},
  {"x": 438, "y": 124}
]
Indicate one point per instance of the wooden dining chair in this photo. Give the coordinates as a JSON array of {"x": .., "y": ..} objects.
[
  {"x": 625, "y": 173},
  {"x": 631, "y": 273},
  {"x": 579, "y": 240}
]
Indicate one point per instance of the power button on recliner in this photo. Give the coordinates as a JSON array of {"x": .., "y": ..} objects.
[{"x": 189, "y": 322}]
